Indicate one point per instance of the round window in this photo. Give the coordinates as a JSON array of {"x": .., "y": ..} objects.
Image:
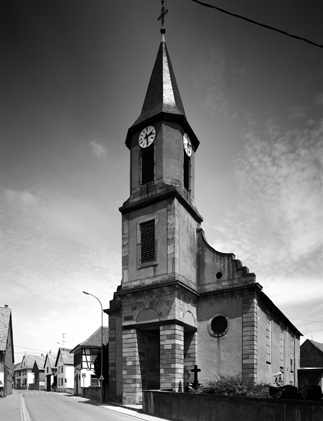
[{"x": 218, "y": 326}]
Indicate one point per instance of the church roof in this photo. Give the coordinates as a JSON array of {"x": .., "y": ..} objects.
[{"x": 162, "y": 93}]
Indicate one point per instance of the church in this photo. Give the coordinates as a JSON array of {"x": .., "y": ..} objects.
[{"x": 181, "y": 303}]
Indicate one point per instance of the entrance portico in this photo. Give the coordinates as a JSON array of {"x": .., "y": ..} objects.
[{"x": 155, "y": 350}]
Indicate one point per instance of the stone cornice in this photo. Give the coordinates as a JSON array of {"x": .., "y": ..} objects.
[
  {"x": 174, "y": 283},
  {"x": 169, "y": 191}
]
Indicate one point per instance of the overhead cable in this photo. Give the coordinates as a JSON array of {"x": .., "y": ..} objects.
[{"x": 258, "y": 23}]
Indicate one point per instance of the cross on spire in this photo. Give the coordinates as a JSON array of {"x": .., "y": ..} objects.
[{"x": 162, "y": 16}]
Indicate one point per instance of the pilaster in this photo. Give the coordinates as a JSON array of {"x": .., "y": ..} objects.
[
  {"x": 112, "y": 358},
  {"x": 190, "y": 352},
  {"x": 249, "y": 336},
  {"x": 132, "y": 389}
]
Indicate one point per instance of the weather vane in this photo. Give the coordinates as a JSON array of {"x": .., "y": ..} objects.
[{"x": 162, "y": 16}]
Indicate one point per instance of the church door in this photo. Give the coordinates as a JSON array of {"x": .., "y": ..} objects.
[{"x": 149, "y": 356}]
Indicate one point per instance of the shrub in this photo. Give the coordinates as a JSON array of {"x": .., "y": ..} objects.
[{"x": 235, "y": 386}]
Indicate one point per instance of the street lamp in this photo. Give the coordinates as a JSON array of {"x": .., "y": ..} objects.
[{"x": 101, "y": 377}]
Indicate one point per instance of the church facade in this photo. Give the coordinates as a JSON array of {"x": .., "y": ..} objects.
[{"x": 181, "y": 303}]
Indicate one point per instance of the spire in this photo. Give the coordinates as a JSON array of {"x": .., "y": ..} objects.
[
  {"x": 162, "y": 100},
  {"x": 162, "y": 94}
]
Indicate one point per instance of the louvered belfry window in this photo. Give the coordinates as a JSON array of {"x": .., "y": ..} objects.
[
  {"x": 147, "y": 236},
  {"x": 187, "y": 171},
  {"x": 147, "y": 165}
]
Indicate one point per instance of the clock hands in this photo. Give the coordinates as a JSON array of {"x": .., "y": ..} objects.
[{"x": 147, "y": 136}]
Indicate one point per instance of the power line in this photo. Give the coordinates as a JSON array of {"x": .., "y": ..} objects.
[
  {"x": 302, "y": 320},
  {"x": 32, "y": 349},
  {"x": 258, "y": 23}
]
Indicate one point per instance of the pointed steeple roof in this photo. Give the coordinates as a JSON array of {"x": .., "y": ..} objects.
[
  {"x": 162, "y": 100},
  {"x": 162, "y": 94}
]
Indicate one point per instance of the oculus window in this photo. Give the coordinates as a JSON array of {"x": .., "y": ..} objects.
[{"x": 218, "y": 326}]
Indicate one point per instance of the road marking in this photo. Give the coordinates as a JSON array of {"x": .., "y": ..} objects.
[{"x": 24, "y": 412}]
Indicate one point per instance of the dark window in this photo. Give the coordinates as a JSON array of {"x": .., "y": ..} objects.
[
  {"x": 77, "y": 358},
  {"x": 219, "y": 325},
  {"x": 187, "y": 171},
  {"x": 147, "y": 165},
  {"x": 147, "y": 237}
]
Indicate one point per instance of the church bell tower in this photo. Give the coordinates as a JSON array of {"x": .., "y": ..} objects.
[
  {"x": 153, "y": 313},
  {"x": 160, "y": 215}
]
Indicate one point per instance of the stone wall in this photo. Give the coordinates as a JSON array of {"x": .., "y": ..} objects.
[
  {"x": 190, "y": 407},
  {"x": 93, "y": 393}
]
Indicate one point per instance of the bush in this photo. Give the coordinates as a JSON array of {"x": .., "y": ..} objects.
[{"x": 235, "y": 386}]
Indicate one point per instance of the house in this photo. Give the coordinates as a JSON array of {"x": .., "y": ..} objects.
[
  {"x": 50, "y": 372},
  {"x": 310, "y": 373},
  {"x": 16, "y": 374},
  {"x": 39, "y": 374},
  {"x": 24, "y": 375},
  {"x": 6, "y": 351},
  {"x": 85, "y": 355},
  {"x": 65, "y": 370},
  {"x": 182, "y": 303}
]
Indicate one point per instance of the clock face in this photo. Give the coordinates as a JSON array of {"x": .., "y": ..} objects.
[
  {"x": 147, "y": 136},
  {"x": 187, "y": 144}
]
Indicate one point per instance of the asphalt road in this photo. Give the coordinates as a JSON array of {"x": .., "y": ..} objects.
[{"x": 50, "y": 406}]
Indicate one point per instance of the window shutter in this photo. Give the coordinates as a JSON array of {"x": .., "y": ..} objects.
[{"x": 147, "y": 235}]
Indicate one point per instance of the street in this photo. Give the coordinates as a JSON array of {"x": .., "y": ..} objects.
[{"x": 24, "y": 405}]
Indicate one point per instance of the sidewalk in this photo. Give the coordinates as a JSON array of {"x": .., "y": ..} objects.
[
  {"x": 10, "y": 407},
  {"x": 133, "y": 411}
]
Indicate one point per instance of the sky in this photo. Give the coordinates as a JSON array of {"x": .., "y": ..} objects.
[{"x": 73, "y": 78}]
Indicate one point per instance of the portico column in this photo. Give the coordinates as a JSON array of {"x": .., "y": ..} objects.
[
  {"x": 132, "y": 391},
  {"x": 171, "y": 356}
]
